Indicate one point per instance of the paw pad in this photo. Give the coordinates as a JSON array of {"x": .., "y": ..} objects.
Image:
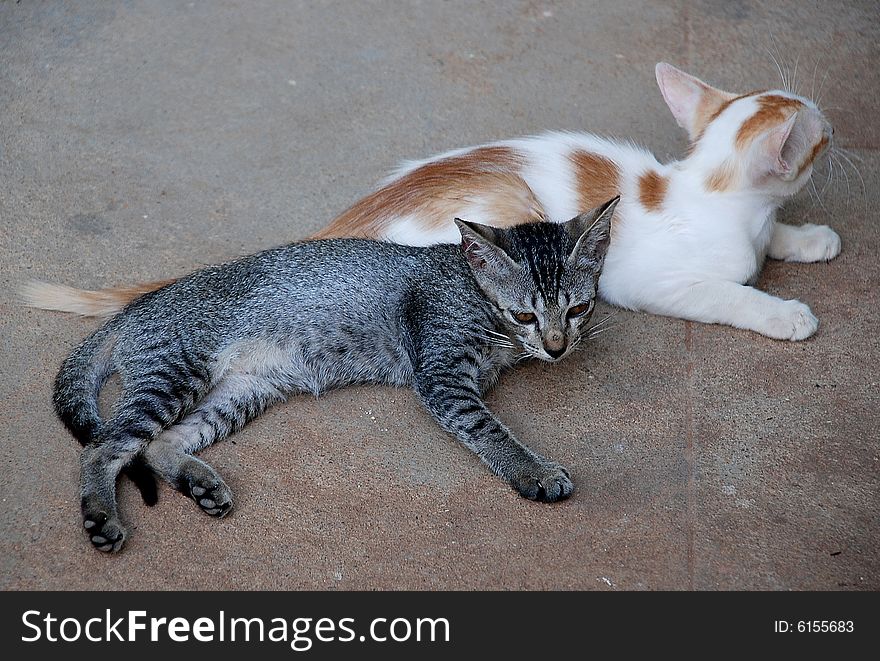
[
  {"x": 106, "y": 534},
  {"x": 214, "y": 500}
]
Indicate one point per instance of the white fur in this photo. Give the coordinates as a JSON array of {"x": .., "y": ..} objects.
[
  {"x": 693, "y": 257},
  {"x": 408, "y": 231}
]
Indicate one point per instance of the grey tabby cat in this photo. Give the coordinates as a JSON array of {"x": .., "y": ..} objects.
[{"x": 201, "y": 357}]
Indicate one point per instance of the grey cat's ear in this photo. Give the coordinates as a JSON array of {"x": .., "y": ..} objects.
[
  {"x": 478, "y": 243},
  {"x": 592, "y": 233}
]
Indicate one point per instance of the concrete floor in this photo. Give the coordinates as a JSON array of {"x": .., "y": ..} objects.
[{"x": 139, "y": 140}]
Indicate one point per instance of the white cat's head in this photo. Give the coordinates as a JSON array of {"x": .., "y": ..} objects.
[{"x": 766, "y": 140}]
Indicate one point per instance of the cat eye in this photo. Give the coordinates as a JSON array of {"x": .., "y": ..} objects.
[
  {"x": 524, "y": 317},
  {"x": 578, "y": 310}
]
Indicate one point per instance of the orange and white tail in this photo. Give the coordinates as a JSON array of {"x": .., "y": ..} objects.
[{"x": 85, "y": 302}]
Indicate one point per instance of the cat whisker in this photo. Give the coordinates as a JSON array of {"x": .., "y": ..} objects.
[
  {"x": 810, "y": 193},
  {"x": 848, "y": 153},
  {"x": 778, "y": 67},
  {"x": 814, "y": 192},
  {"x": 821, "y": 87},
  {"x": 830, "y": 175},
  {"x": 840, "y": 153},
  {"x": 794, "y": 76},
  {"x": 813, "y": 81},
  {"x": 845, "y": 176},
  {"x": 518, "y": 358},
  {"x": 590, "y": 336},
  {"x": 489, "y": 331},
  {"x": 603, "y": 321},
  {"x": 598, "y": 329},
  {"x": 784, "y": 72},
  {"x": 496, "y": 343},
  {"x": 848, "y": 156},
  {"x": 494, "y": 338}
]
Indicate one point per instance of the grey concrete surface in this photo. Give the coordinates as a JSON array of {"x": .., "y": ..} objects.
[{"x": 139, "y": 140}]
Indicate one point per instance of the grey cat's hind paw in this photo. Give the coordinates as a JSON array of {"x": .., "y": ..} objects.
[
  {"x": 214, "y": 502},
  {"x": 210, "y": 492},
  {"x": 105, "y": 532},
  {"x": 545, "y": 482}
]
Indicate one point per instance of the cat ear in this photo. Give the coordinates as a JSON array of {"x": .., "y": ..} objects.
[
  {"x": 478, "y": 243},
  {"x": 593, "y": 233},
  {"x": 778, "y": 149},
  {"x": 693, "y": 103}
]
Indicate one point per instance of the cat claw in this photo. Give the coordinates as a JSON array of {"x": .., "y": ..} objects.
[{"x": 545, "y": 483}]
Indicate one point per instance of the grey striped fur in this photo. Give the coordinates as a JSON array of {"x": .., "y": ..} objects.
[{"x": 202, "y": 356}]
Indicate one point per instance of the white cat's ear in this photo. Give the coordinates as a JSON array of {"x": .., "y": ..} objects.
[
  {"x": 478, "y": 243},
  {"x": 693, "y": 103},
  {"x": 593, "y": 233},
  {"x": 778, "y": 149}
]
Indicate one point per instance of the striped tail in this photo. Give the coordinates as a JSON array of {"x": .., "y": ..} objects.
[
  {"x": 79, "y": 382},
  {"x": 75, "y": 398}
]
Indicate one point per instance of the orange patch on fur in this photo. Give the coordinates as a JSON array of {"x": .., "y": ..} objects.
[
  {"x": 721, "y": 179},
  {"x": 652, "y": 190},
  {"x": 712, "y": 103},
  {"x": 597, "y": 179},
  {"x": 711, "y": 106},
  {"x": 772, "y": 111},
  {"x": 508, "y": 200},
  {"x": 438, "y": 191},
  {"x": 818, "y": 147}
]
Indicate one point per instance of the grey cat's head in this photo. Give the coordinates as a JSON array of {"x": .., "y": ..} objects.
[{"x": 542, "y": 277}]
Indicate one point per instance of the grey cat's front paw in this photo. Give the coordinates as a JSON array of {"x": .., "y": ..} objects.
[
  {"x": 105, "y": 531},
  {"x": 545, "y": 481}
]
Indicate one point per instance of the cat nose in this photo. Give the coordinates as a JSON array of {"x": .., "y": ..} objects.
[
  {"x": 555, "y": 343},
  {"x": 555, "y": 353}
]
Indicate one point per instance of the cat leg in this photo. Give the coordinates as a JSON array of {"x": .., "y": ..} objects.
[
  {"x": 142, "y": 412},
  {"x": 741, "y": 306},
  {"x": 451, "y": 394},
  {"x": 233, "y": 402},
  {"x": 805, "y": 243}
]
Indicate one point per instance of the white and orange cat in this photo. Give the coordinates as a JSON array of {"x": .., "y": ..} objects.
[{"x": 688, "y": 238}]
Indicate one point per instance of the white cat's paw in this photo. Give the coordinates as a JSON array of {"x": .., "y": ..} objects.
[
  {"x": 818, "y": 243},
  {"x": 791, "y": 320}
]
